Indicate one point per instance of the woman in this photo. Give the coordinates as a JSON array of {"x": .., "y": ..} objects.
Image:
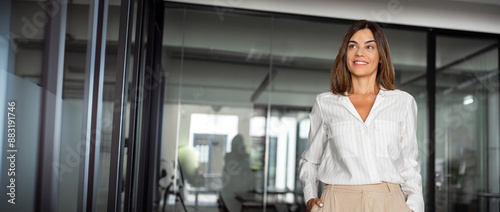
[
  {"x": 236, "y": 170},
  {"x": 362, "y": 141}
]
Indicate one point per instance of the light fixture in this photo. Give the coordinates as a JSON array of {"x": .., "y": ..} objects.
[{"x": 468, "y": 100}]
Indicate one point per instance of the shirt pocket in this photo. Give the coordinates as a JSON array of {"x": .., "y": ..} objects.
[
  {"x": 344, "y": 139},
  {"x": 387, "y": 137}
]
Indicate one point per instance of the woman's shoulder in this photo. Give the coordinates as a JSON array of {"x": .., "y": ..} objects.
[
  {"x": 327, "y": 95},
  {"x": 400, "y": 95}
]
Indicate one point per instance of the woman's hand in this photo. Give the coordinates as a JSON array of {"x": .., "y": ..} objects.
[{"x": 312, "y": 202}]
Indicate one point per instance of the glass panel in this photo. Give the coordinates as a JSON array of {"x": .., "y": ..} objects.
[
  {"x": 410, "y": 64},
  {"x": 200, "y": 86},
  {"x": 212, "y": 126},
  {"x": 72, "y": 148},
  {"x": 108, "y": 104},
  {"x": 128, "y": 110},
  {"x": 467, "y": 124},
  {"x": 21, "y": 52},
  {"x": 136, "y": 107},
  {"x": 303, "y": 53}
]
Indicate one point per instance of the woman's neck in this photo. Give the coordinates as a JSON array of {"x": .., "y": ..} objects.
[{"x": 365, "y": 85}]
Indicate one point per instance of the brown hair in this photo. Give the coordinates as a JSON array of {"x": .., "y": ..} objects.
[{"x": 340, "y": 76}]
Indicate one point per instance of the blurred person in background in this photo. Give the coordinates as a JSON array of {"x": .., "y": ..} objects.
[{"x": 237, "y": 176}]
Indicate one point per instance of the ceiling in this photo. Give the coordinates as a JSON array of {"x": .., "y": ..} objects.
[{"x": 234, "y": 52}]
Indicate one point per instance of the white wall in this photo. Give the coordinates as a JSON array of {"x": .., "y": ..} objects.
[{"x": 438, "y": 14}]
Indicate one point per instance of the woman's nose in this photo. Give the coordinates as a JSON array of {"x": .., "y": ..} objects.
[{"x": 360, "y": 52}]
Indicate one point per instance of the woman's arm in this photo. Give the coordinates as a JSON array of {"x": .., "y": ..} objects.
[
  {"x": 412, "y": 187},
  {"x": 311, "y": 158}
]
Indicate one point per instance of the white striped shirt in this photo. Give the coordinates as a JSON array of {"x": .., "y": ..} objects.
[{"x": 345, "y": 150}]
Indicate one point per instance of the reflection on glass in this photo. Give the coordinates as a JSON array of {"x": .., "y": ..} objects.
[
  {"x": 467, "y": 117},
  {"x": 108, "y": 106},
  {"x": 213, "y": 133},
  {"x": 72, "y": 149},
  {"x": 236, "y": 171},
  {"x": 303, "y": 53},
  {"x": 410, "y": 64},
  {"x": 21, "y": 53},
  {"x": 287, "y": 144}
]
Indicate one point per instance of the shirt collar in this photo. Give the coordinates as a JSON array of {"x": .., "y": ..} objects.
[{"x": 382, "y": 92}]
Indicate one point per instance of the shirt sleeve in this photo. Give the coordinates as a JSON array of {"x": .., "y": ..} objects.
[
  {"x": 412, "y": 187},
  {"x": 311, "y": 158}
]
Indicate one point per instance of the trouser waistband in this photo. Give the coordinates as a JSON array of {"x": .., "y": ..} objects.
[{"x": 383, "y": 187}]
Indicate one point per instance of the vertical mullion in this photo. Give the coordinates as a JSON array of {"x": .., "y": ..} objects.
[
  {"x": 50, "y": 132},
  {"x": 129, "y": 203},
  {"x": 498, "y": 99},
  {"x": 94, "y": 75},
  {"x": 121, "y": 94},
  {"x": 151, "y": 108},
  {"x": 153, "y": 86},
  {"x": 155, "y": 149},
  {"x": 431, "y": 118},
  {"x": 142, "y": 157},
  {"x": 268, "y": 120}
]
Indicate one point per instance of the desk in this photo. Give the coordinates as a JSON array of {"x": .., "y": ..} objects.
[
  {"x": 198, "y": 191},
  {"x": 210, "y": 185}
]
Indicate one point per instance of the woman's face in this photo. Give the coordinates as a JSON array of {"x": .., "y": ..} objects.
[{"x": 362, "y": 54}]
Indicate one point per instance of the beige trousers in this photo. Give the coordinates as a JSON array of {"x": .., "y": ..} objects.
[{"x": 382, "y": 197}]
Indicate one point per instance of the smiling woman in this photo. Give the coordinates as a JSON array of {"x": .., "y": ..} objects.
[
  {"x": 371, "y": 38},
  {"x": 362, "y": 140},
  {"x": 362, "y": 54}
]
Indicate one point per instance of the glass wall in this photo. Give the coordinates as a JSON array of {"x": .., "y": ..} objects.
[
  {"x": 72, "y": 150},
  {"x": 235, "y": 81},
  {"x": 239, "y": 87},
  {"x": 302, "y": 55},
  {"x": 24, "y": 58},
  {"x": 467, "y": 124},
  {"x": 410, "y": 63},
  {"x": 110, "y": 102},
  {"x": 21, "y": 56},
  {"x": 212, "y": 131}
]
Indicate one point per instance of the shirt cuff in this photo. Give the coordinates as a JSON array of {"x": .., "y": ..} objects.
[
  {"x": 416, "y": 206},
  {"x": 310, "y": 192}
]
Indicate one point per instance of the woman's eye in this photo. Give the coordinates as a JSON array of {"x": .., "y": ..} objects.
[
  {"x": 370, "y": 47},
  {"x": 351, "y": 47}
]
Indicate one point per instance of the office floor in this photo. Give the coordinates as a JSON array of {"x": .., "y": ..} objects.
[
  {"x": 205, "y": 203},
  {"x": 209, "y": 203},
  {"x": 178, "y": 208}
]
